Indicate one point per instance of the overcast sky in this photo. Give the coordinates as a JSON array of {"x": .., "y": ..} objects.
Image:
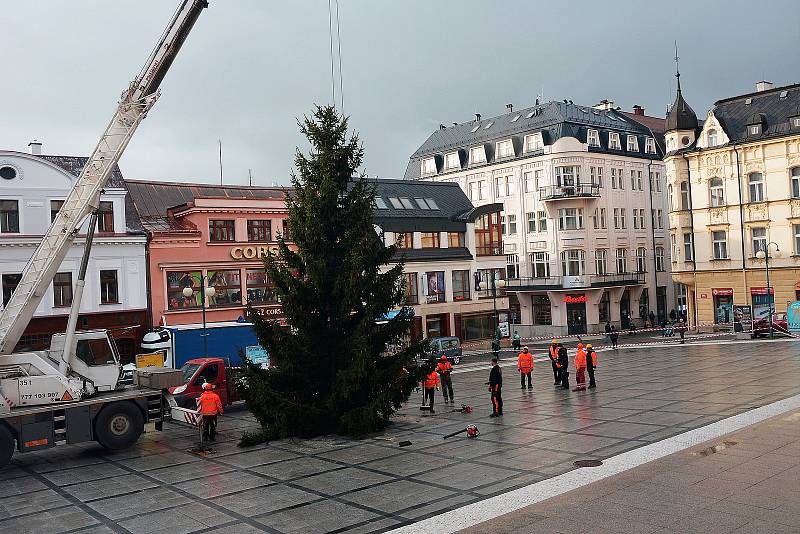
[{"x": 250, "y": 68}]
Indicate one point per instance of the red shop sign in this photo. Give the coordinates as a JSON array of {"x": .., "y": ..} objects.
[
  {"x": 574, "y": 300},
  {"x": 762, "y": 291},
  {"x": 722, "y": 292}
]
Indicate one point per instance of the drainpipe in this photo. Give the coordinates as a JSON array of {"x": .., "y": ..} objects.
[
  {"x": 741, "y": 224},
  {"x": 148, "y": 281}
]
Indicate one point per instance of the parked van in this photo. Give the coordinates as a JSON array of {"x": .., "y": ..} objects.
[{"x": 447, "y": 345}]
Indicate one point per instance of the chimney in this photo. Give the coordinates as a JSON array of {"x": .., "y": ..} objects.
[
  {"x": 441, "y": 126},
  {"x": 510, "y": 107},
  {"x": 638, "y": 110},
  {"x": 35, "y": 147},
  {"x": 477, "y": 117},
  {"x": 763, "y": 85},
  {"x": 604, "y": 104}
]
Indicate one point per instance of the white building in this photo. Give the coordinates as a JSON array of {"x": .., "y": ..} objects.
[
  {"x": 585, "y": 214},
  {"x": 32, "y": 188}
]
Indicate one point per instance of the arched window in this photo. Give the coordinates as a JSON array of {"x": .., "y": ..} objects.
[
  {"x": 717, "y": 192},
  {"x": 685, "y": 204},
  {"x": 573, "y": 262},
  {"x": 712, "y": 137},
  {"x": 796, "y": 182},
  {"x": 755, "y": 182}
]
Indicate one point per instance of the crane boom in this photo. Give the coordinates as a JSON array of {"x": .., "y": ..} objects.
[{"x": 84, "y": 196}]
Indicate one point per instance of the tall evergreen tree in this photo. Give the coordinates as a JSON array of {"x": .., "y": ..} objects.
[{"x": 331, "y": 373}]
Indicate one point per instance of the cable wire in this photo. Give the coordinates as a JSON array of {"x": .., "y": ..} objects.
[
  {"x": 330, "y": 37},
  {"x": 339, "y": 44}
]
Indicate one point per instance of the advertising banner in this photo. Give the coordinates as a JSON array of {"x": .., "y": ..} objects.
[
  {"x": 793, "y": 317},
  {"x": 434, "y": 286},
  {"x": 742, "y": 318}
]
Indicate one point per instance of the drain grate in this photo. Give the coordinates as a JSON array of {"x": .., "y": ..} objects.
[{"x": 588, "y": 463}]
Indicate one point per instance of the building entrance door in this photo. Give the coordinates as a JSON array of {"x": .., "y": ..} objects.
[
  {"x": 625, "y": 310},
  {"x": 576, "y": 317}
]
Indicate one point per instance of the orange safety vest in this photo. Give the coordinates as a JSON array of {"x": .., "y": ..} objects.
[
  {"x": 580, "y": 359},
  {"x": 209, "y": 403},
  {"x": 444, "y": 367},
  {"x": 594, "y": 358},
  {"x": 525, "y": 362},
  {"x": 554, "y": 352},
  {"x": 431, "y": 381}
]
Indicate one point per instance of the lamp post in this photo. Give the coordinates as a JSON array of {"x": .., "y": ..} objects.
[
  {"x": 764, "y": 255},
  {"x": 210, "y": 291},
  {"x": 496, "y": 282}
]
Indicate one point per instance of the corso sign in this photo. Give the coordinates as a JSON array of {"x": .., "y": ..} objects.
[{"x": 250, "y": 252}]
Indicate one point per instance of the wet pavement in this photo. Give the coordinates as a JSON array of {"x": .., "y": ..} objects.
[{"x": 336, "y": 484}]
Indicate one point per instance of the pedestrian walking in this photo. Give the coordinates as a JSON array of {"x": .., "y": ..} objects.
[
  {"x": 681, "y": 330},
  {"x": 496, "y": 348},
  {"x": 525, "y": 367},
  {"x": 430, "y": 384},
  {"x": 591, "y": 364},
  {"x": 210, "y": 407},
  {"x": 563, "y": 366},
  {"x": 614, "y": 335},
  {"x": 553, "y": 354},
  {"x": 495, "y": 384},
  {"x": 444, "y": 368},
  {"x": 516, "y": 341},
  {"x": 608, "y": 332},
  {"x": 580, "y": 369}
]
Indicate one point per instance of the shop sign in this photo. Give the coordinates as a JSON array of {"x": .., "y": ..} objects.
[
  {"x": 742, "y": 318},
  {"x": 250, "y": 252},
  {"x": 269, "y": 312},
  {"x": 793, "y": 317},
  {"x": 155, "y": 359},
  {"x": 762, "y": 291},
  {"x": 722, "y": 292},
  {"x": 569, "y": 299},
  {"x": 568, "y": 282}
]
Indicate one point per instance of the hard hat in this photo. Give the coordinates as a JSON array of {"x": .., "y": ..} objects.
[
  {"x": 525, "y": 347},
  {"x": 443, "y": 357},
  {"x": 472, "y": 431},
  {"x": 554, "y": 342},
  {"x": 588, "y": 345},
  {"x": 207, "y": 386},
  {"x": 580, "y": 345}
]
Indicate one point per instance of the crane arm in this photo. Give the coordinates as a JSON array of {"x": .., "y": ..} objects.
[{"x": 84, "y": 196}]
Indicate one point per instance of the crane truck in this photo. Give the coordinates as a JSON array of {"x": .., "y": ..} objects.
[{"x": 71, "y": 392}]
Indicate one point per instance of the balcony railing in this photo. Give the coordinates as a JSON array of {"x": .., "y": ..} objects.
[
  {"x": 555, "y": 192},
  {"x": 617, "y": 279},
  {"x": 530, "y": 283},
  {"x": 574, "y": 282}
]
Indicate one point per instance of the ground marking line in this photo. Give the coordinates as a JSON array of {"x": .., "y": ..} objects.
[{"x": 487, "y": 509}]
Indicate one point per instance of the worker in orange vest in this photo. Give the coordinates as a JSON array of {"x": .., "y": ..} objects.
[
  {"x": 580, "y": 369},
  {"x": 210, "y": 406},
  {"x": 430, "y": 384},
  {"x": 591, "y": 364},
  {"x": 525, "y": 366},
  {"x": 553, "y": 353},
  {"x": 444, "y": 368}
]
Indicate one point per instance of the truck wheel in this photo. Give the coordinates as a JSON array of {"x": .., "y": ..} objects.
[
  {"x": 118, "y": 425},
  {"x": 6, "y": 445}
]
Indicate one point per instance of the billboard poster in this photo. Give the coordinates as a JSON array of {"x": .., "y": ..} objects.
[
  {"x": 434, "y": 286},
  {"x": 742, "y": 318},
  {"x": 177, "y": 281},
  {"x": 793, "y": 317}
]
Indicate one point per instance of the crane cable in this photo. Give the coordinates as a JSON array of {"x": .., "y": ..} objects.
[{"x": 339, "y": 53}]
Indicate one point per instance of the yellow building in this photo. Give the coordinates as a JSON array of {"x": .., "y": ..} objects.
[{"x": 734, "y": 195}]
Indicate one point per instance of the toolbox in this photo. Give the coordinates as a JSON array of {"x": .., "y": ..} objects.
[{"x": 157, "y": 377}]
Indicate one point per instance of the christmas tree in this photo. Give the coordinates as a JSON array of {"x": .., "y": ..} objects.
[{"x": 331, "y": 372}]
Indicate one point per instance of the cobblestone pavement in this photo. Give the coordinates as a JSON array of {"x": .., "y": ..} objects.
[
  {"x": 744, "y": 482},
  {"x": 337, "y": 484}
]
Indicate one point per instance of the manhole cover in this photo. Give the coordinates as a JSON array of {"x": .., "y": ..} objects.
[{"x": 588, "y": 463}]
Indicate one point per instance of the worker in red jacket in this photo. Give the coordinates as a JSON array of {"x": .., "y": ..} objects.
[
  {"x": 525, "y": 367},
  {"x": 210, "y": 406},
  {"x": 580, "y": 368},
  {"x": 429, "y": 384},
  {"x": 444, "y": 368}
]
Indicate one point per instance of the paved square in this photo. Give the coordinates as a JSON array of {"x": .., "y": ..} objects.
[{"x": 644, "y": 394}]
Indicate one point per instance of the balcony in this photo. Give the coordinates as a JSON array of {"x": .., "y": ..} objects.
[
  {"x": 579, "y": 190},
  {"x": 574, "y": 282},
  {"x": 619, "y": 279},
  {"x": 533, "y": 284}
]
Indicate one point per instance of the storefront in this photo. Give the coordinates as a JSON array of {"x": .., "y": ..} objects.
[
  {"x": 576, "y": 313},
  {"x": 763, "y": 301},
  {"x": 723, "y": 305}
]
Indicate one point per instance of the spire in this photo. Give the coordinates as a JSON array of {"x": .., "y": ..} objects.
[
  {"x": 680, "y": 116},
  {"x": 677, "y": 67}
]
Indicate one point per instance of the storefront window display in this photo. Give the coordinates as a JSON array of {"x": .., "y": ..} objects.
[
  {"x": 723, "y": 305},
  {"x": 542, "y": 315},
  {"x": 228, "y": 287},
  {"x": 259, "y": 290},
  {"x": 479, "y": 326},
  {"x": 434, "y": 286},
  {"x": 177, "y": 281}
]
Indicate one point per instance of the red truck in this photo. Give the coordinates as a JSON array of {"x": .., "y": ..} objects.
[{"x": 196, "y": 372}]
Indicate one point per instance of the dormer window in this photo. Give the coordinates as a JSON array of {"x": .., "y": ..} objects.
[
  {"x": 505, "y": 149},
  {"x": 593, "y": 138},
  {"x": 428, "y": 166},
  {"x": 633, "y": 144},
  {"x": 754, "y": 129},
  {"x": 650, "y": 145},
  {"x": 712, "y": 137},
  {"x": 613, "y": 141},
  {"x": 451, "y": 161},
  {"x": 795, "y": 122},
  {"x": 477, "y": 155},
  {"x": 533, "y": 142}
]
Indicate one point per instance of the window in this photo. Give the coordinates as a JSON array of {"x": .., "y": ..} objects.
[
  {"x": 381, "y": 204},
  {"x": 428, "y": 166},
  {"x": 259, "y": 230},
  {"x": 593, "y": 138},
  {"x": 613, "y": 178},
  {"x": 717, "y": 192},
  {"x": 633, "y": 180},
  {"x": 622, "y": 260},
  {"x": 456, "y": 239},
  {"x": 542, "y": 221},
  {"x": 796, "y": 182},
  {"x": 105, "y": 218},
  {"x": 531, "y": 216},
  {"x": 430, "y": 239},
  {"x": 10, "y": 283},
  {"x": 461, "y": 285},
  {"x": 473, "y": 191},
  {"x": 712, "y": 137},
  {"x": 633, "y": 144},
  {"x": 533, "y": 142},
  {"x": 512, "y": 224},
  {"x": 796, "y": 122},
  {"x": 9, "y": 216},
  {"x": 596, "y": 176},
  {"x": 488, "y": 236},
  {"x": 405, "y": 240},
  {"x": 685, "y": 203},
  {"x": 483, "y": 189},
  {"x": 109, "y": 289},
  {"x": 619, "y": 218},
  {"x": 259, "y": 288},
  {"x": 407, "y": 204},
  {"x": 759, "y": 237},
  {"x": 94, "y": 352},
  {"x": 396, "y": 204},
  {"x": 573, "y": 262},
  {"x": 412, "y": 288},
  {"x": 177, "y": 281},
  {"x": 570, "y": 219},
  {"x": 540, "y": 265},
  {"x": 670, "y": 203},
  {"x": 658, "y": 219},
  {"x": 596, "y": 219},
  {"x": 567, "y": 176},
  {"x": 641, "y": 260},
  {"x": 639, "y": 184},
  {"x": 650, "y": 145},
  {"x": 641, "y": 219},
  {"x": 512, "y": 266},
  {"x": 660, "y": 259},
  {"x": 613, "y": 141},
  {"x": 227, "y": 287},
  {"x": 221, "y": 230},
  {"x": 602, "y": 218},
  {"x": 505, "y": 149},
  {"x": 688, "y": 248},
  {"x": 601, "y": 261},
  {"x": 62, "y": 290},
  {"x": 530, "y": 185},
  {"x": 537, "y": 179},
  {"x": 756, "y": 186},
  {"x": 451, "y": 161},
  {"x": 55, "y": 207},
  {"x": 720, "y": 242},
  {"x": 434, "y": 287},
  {"x": 540, "y": 307},
  {"x": 503, "y": 185},
  {"x": 655, "y": 181},
  {"x": 796, "y": 228},
  {"x": 635, "y": 219},
  {"x": 477, "y": 155},
  {"x": 755, "y": 129}
]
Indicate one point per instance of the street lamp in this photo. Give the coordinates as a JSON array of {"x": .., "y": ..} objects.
[
  {"x": 496, "y": 282},
  {"x": 764, "y": 255},
  {"x": 210, "y": 291}
]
